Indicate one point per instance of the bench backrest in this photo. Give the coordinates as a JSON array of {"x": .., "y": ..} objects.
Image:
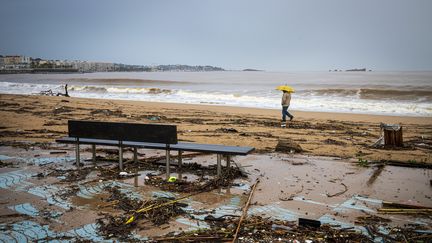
[{"x": 151, "y": 133}]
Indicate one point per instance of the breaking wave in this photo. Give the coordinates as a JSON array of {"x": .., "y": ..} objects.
[
  {"x": 374, "y": 94},
  {"x": 127, "y": 90}
]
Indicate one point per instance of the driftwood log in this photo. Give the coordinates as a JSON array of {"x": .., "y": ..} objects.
[{"x": 51, "y": 93}]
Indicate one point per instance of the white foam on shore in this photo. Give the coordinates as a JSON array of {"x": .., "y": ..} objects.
[{"x": 269, "y": 99}]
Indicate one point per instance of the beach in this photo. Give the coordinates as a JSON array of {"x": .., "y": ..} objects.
[
  {"x": 337, "y": 179},
  {"x": 44, "y": 118}
]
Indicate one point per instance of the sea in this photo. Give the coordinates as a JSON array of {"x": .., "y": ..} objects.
[{"x": 382, "y": 93}]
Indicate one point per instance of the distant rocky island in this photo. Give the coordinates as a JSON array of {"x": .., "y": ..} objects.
[
  {"x": 351, "y": 70},
  {"x": 251, "y": 70},
  {"x": 356, "y": 70}
]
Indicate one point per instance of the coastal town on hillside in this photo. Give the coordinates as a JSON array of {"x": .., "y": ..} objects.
[{"x": 24, "y": 64}]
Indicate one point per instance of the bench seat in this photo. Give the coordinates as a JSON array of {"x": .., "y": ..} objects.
[{"x": 181, "y": 146}]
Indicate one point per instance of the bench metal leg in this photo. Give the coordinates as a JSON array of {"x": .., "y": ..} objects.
[
  {"x": 121, "y": 155},
  {"x": 228, "y": 161},
  {"x": 135, "y": 155},
  {"x": 167, "y": 164},
  {"x": 219, "y": 166},
  {"x": 180, "y": 159},
  {"x": 77, "y": 153},
  {"x": 136, "y": 181},
  {"x": 180, "y": 163},
  {"x": 94, "y": 153}
]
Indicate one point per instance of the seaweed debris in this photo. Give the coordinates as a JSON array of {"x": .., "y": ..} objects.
[
  {"x": 202, "y": 184},
  {"x": 258, "y": 229},
  {"x": 115, "y": 225}
]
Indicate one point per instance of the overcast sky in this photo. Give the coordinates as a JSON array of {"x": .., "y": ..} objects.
[{"x": 234, "y": 34}]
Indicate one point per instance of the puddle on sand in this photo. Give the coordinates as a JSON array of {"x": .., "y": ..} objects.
[
  {"x": 298, "y": 186},
  {"x": 15, "y": 178},
  {"x": 50, "y": 194},
  {"x": 29, "y": 231},
  {"x": 26, "y": 209}
]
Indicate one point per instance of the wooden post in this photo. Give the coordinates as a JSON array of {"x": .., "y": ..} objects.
[
  {"x": 66, "y": 91},
  {"x": 393, "y": 136}
]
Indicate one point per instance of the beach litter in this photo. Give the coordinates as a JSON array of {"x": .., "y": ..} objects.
[
  {"x": 287, "y": 145},
  {"x": 127, "y": 213}
]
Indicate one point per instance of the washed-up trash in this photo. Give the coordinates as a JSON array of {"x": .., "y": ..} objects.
[
  {"x": 130, "y": 220},
  {"x": 172, "y": 179},
  {"x": 154, "y": 118},
  {"x": 309, "y": 222},
  {"x": 288, "y": 146},
  {"x": 227, "y": 130},
  {"x": 123, "y": 173}
]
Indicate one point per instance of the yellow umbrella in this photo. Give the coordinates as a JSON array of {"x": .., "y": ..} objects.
[{"x": 285, "y": 88}]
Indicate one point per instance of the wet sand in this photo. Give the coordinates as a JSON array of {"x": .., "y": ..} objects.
[
  {"x": 290, "y": 187},
  {"x": 325, "y": 182}
]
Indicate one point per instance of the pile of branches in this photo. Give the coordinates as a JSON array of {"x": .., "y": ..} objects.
[
  {"x": 258, "y": 229},
  {"x": 157, "y": 211},
  {"x": 200, "y": 185}
]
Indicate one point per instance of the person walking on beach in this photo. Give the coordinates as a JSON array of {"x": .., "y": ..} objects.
[{"x": 286, "y": 100}]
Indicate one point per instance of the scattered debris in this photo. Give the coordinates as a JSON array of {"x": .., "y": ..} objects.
[
  {"x": 334, "y": 142},
  {"x": 309, "y": 223},
  {"x": 245, "y": 209},
  {"x": 391, "y": 136},
  {"x": 375, "y": 175},
  {"x": 58, "y": 152},
  {"x": 201, "y": 184},
  {"x": 258, "y": 229},
  {"x": 51, "y": 93},
  {"x": 157, "y": 211},
  {"x": 411, "y": 164},
  {"x": 287, "y": 145},
  {"x": 226, "y": 130},
  {"x": 339, "y": 193},
  {"x": 404, "y": 206},
  {"x": 399, "y": 208},
  {"x": 107, "y": 112},
  {"x": 62, "y": 109},
  {"x": 6, "y": 164}
]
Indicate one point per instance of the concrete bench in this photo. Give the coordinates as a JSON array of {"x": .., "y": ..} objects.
[{"x": 134, "y": 135}]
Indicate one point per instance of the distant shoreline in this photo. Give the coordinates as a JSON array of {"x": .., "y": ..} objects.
[
  {"x": 76, "y": 71},
  {"x": 36, "y": 71}
]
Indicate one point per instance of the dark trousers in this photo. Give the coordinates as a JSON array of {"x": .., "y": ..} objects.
[{"x": 285, "y": 113}]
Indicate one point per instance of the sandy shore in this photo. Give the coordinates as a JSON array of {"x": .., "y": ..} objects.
[
  {"x": 40, "y": 184},
  {"x": 43, "y": 118}
]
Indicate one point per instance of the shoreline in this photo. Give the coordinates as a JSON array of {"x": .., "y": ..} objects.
[
  {"x": 271, "y": 112},
  {"x": 317, "y": 93}
]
